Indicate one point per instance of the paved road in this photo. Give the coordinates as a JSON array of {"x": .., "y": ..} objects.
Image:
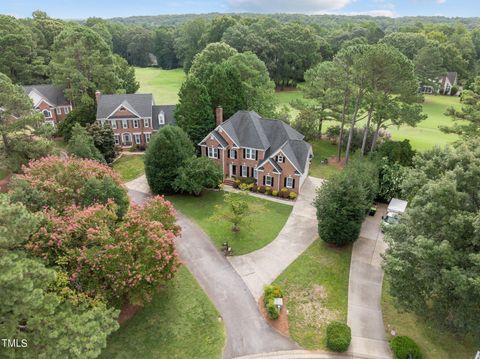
[
  {"x": 247, "y": 332},
  {"x": 365, "y": 291},
  {"x": 264, "y": 265}
]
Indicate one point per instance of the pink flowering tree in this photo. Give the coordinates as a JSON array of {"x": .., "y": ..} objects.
[
  {"x": 60, "y": 183},
  {"x": 107, "y": 258}
]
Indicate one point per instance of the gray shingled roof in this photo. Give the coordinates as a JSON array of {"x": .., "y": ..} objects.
[
  {"x": 248, "y": 129},
  {"x": 452, "y": 77},
  {"x": 140, "y": 103},
  {"x": 53, "y": 94},
  {"x": 168, "y": 110}
]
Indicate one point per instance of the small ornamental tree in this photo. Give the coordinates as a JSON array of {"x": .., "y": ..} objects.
[
  {"x": 196, "y": 174},
  {"x": 60, "y": 183},
  {"x": 81, "y": 145},
  {"x": 236, "y": 210},
  {"x": 167, "y": 152}
]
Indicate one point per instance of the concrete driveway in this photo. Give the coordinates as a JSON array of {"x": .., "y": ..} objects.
[
  {"x": 264, "y": 265},
  {"x": 365, "y": 291},
  {"x": 247, "y": 331}
]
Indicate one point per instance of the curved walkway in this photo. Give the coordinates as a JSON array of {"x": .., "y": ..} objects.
[
  {"x": 264, "y": 265},
  {"x": 365, "y": 292},
  {"x": 247, "y": 332}
]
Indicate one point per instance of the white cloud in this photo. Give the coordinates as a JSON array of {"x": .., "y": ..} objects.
[
  {"x": 441, "y": 1},
  {"x": 289, "y": 6},
  {"x": 380, "y": 12}
]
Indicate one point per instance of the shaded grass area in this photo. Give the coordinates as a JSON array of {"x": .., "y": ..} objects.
[
  {"x": 180, "y": 322},
  {"x": 3, "y": 173},
  {"x": 264, "y": 226},
  {"x": 129, "y": 167},
  {"x": 316, "y": 288},
  {"x": 434, "y": 342},
  {"x": 163, "y": 84},
  {"x": 323, "y": 149}
]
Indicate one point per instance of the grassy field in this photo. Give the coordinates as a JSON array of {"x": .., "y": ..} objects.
[
  {"x": 129, "y": 167},
  {"x": 264, "y": 226},
  {"x": 316, "y": 288},
  {"x": 434, "y": 343},
  {"x": 323, "y": 149},
  {"x": 163, "y": 84},
  {"x": 180, "y": 322}
]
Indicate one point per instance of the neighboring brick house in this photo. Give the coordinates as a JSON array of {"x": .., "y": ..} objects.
[
  {"x": 270, "y": 151},
  {"x": 133, "y": 117},
  {"x": 49, "y": 100}
]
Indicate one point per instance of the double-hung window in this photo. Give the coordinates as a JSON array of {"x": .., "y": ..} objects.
[
  {"x": 66, "y": 109},
  {"x": 249, "y": 154},
  {"x": 137, "y": 138},
  {"x": 255, "y": 174},
  {"x": 146, "y": 122},
  {"x": 147, "y": 137},
  {"x": 280, "y": 159},
  {"x": 289, "y": 182},
  {"x": 117, "y": 139},
  {"x": 135, "y": 123},
  {"x": 113, "y": 124},
  {"x": 244, "y": 171},
  {"x": 124, "y": 123},
  {"x": 268, "y": 180},
  {"x": 233, "y": 154},
  {"x": 212, "y": 152},
  {"x": 59, "y": 110}
]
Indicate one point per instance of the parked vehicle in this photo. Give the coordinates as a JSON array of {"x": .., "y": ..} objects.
[{"x": 395, "y": 209}]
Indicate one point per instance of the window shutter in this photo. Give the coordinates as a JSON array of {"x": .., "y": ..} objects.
[
  {"x": 293, "y": 183},
  {"x": 244, "y": 153},
  {"x": 256, "y": 154},
  {"x": 272, "y": 181},
  {"x": 264, "y": 180},
  {"x": 228, "y": 154},
  {"x": 236, "y": 154},
  {"x": 285, "y": 182}
]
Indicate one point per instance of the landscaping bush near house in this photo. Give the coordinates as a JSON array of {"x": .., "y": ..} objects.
[
  {"x": 261, "y": 189},
  {"x": 284, "y": 193},
  {"x": 339, "y": 336},
  {"x": 254, "y": 188},
  {"x": 268, "y": 190},
  {"x": 236, "y": 183},
  {"x": 270, "y": 292},
  {"x": 404, "y": 347},
  {"x": 293, "y": 195},
  {"x": 274, "y": 193}
]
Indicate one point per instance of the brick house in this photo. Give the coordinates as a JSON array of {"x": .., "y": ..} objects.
[
  {"x": 49, "y": 100},
  {"x": 134, "y": 118},
  {"x": 269, "y": 151}
]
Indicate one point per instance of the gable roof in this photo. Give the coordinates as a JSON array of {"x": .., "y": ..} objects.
[
  {"x": 249, "y": 129},
  {"x": 52, "y": 94},
  {"x": 452, "y": 77},
  {"x": 168, "y": 111},
  {"x": 137, "y": 103}
]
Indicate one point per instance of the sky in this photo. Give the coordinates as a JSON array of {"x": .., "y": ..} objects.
[{"x": 79, "y": 9}]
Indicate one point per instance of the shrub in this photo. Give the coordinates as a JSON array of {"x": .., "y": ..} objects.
[
  {"x": 104, "y": 140},
  {"x": 268, "y": 190},
  {"x": 270, "y": 292},
  {"x": 236, "y": 183},
  {"x": 261, "y": 189},
  {"x": 400, "y": 152},
  {"x": 403, "y": 346},
  {"x": 254, "y": 188},
  {"x": 292, "y": 195},
  {"x": 274, "y": 193},
  {"x": 81, "y": 145},
  {"x": 284, "y": 192},
  {"x": 339, "y": 336},
  {"x": 196, "y": 174},
  {"x": 245, "y": 186},
  {"x": 332, "y": 133},
  {"x": 167, "y": 152}
]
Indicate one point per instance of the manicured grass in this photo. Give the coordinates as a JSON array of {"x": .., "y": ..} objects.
[
  {"x": 129, "y": 166},
  {"x": 262, "y": 229},
  {"x": 434, "y": 342},
  {"x": 163, "y": 84},
  {"x": 316, "y": 288},
  {"x": 323, "y": 149},
  {"x": 180, "y": 322}
]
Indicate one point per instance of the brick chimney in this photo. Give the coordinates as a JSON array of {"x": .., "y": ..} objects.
[
  {"x": 98, "y": 94},
  {"x": 219, "y": 115}
]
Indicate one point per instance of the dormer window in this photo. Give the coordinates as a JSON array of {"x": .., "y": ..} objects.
[
  {"x": 161, "y": 118},
  {"x": 280, "y": 159}
]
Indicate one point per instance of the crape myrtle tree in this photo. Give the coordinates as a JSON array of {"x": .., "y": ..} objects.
[
  {"x": 36, "y": 303},
  {"x": 433, "y": 259}
]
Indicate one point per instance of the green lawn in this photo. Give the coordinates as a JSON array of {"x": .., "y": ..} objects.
[
  {"x": 316, "y": 289},
  {"x": 129, "y": 166},
  {"x": 180, "y": 322},
  {"x": 264, "y": 226},
  {"x": 322, "y": 149},
  {"x": 163, "y": 84},
  {"x": 434, "y": 342}
]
